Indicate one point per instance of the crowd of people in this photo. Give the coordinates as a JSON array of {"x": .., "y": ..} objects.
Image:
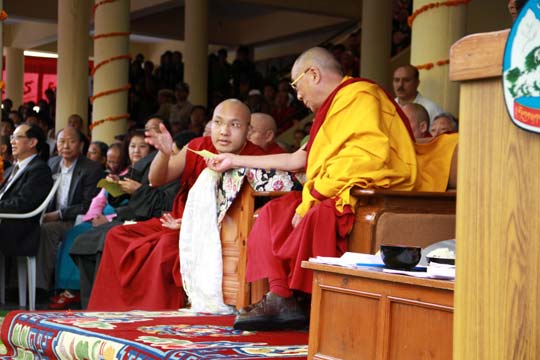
[{"x": 109, "y": 239}]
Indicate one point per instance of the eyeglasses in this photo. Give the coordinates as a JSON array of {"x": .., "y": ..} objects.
[
  {"x": 17, "y": 137},
  {"x": 293, "y": 83}
]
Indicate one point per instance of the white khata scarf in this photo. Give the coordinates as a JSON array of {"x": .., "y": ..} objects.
[{"x": 201, "y": 264}]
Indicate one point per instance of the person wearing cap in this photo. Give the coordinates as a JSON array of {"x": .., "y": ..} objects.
[
  {"x": 256, "y": 102},
  {"x": 181, "y": 111}
]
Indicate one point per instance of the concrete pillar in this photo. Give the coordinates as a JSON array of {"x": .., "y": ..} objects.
[
  {"x": 111, "y": 47},
  {"x": 433, "y": 32},
  {"x": 196, "y": 55},
  {"x": 72, "y": 66},
  {"x": 376, "y": 43},
  {"x": 14, "y": 75}
]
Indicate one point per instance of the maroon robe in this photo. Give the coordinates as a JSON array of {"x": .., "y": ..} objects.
[
  {"x": 276, "y": 249},
  {"x": 140, "y": 264}
]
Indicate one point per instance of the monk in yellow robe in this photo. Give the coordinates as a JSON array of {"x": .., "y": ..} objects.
[{"x": 358, "y": 138}]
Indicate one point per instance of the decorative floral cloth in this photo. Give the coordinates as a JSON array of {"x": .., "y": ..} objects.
[
  {"x": 138, "y": 335},
  {"x": 201, "y": 264}
]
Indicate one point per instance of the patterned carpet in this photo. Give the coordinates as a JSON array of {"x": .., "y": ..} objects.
[{"x": 142, "y": 335}]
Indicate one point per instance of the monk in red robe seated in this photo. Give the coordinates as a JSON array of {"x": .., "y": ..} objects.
[
  {"x": 359, "y": 138},
  {"x": 139, "y": 267}
]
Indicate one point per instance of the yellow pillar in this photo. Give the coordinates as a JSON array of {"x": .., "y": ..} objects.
[
  {"x": 14, "y": 75},
  {"x": 72, "y": 66},
  {"x": 196, "y": 54},
  {"x": 111, "y": 49},
  {"x": 433, "y": 32},
  {"x": 376, "y": 41}
]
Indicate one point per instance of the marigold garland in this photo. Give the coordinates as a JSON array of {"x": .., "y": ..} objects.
[
  {"x": 111, "y": 34},
  {"x": 2, "y": 85},
  {"x": 102, "y": 2},
  {"x": 3, "y": 15},
  {"x": 429, "y": 66},
  {"x": 108, "y": 119},
  {"x": 119, "y": 57},
  {"x": 434, "y": 5},
  {"x": 108, "y": 92}
]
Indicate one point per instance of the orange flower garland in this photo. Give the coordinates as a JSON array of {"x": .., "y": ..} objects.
[
  {"x": 101, "y": 3},
  {"x": 119, "y": 57},
  {"x": 106, "y": 35},
  {"x": 110, "y": 118},
  {"x": 3, "y": 15},
  {"x": 108, "y": 92},
  {"x": 434, "y": 5},
  {"x": 2, "y": 85},
  {"x": 429, "y": 66}
]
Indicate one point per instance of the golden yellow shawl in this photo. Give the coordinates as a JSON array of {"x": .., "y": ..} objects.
[{"x": 362, "y": 142}]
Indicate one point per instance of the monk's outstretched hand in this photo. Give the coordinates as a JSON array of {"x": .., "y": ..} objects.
[
  {"x": 160, "y": 138},
  {"x": 221, "y": 162},
  {"x": 169, "y": 222}
]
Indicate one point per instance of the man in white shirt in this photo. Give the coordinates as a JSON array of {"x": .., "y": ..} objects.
[
  {"x": 75, "y": 193},
  {"x": 406, "y": 80},
  {"x": 25, "y": 187}
]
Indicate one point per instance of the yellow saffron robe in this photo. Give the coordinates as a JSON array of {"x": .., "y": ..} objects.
[
  {"x": 362, "y": 142},
  {"x": 434, "y": 162}
]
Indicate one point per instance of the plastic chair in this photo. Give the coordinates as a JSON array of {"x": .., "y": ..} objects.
[{"x": 26, "y": 265}]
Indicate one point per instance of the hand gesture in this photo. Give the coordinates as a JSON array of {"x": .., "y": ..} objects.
[
  {"x": 99, "y": 220},
  {"x": 296, "y": 220},
  {"x": 169, "y": 222},
  {"x": 160, "y": 138},
  {"x": 221, "y": 162},
  {"x": 129, "y": 186}
]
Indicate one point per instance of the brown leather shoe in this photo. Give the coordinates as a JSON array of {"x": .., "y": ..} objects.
[{"x": 273, "y": 312}]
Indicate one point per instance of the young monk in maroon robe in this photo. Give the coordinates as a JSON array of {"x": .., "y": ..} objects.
[
  {"x": 140, "y": 267},
  {"x": 358, "y": 138}
]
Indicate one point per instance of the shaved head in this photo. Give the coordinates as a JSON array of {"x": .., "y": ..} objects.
[
  {"x": 316, "y": 73},
  {"x": 319, "y": 57},
  {"x": 418, "y": 118},
  {"x": 262, "y": 130},
  {"x": 230, "y": 125}
]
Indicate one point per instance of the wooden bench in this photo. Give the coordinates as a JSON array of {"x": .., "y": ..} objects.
[{"x": 382, "y": 216}]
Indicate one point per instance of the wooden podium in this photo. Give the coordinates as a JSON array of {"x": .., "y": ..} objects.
[{"x": 497, "y": 292}]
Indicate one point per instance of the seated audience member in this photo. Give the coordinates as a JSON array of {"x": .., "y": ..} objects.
[
  {"x": 298, "y": 138},
  {"x": 197, "y": 120},
  {"x": 6, "y": 127},
  {"x": 6, "y": 152},
  {"x": 76, "y": 121},
  {"x": 262, "y": 132},
  {"x": 406, "y": 80},
  {"x": 15, "y": 117},
  {"x": 25, "y": 187},
  {"x": 75, "y": 193},
  {"x": 139, "y": 268},
  {"x": 376, "y": 152},
  {"x": 444, "y": 122},
  {"x": 283, "y": 112},
  {"x": 208, "y": 129},
  {"x": 116, "y": 158},
  {"x": 181, "y": 110},
  {"x": 97, "y": 152},
  {"x": 418, "y": 119},
  {"x": 145, "y": 203},
  {"x": 102, "y": 210}
]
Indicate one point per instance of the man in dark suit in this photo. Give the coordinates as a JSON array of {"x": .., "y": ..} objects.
[
  {"x": 75, "y": 193},
  {"x": 26, "y": 186}
]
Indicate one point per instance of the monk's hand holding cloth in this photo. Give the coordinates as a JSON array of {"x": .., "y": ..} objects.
[{"x": 221, "y": 162}]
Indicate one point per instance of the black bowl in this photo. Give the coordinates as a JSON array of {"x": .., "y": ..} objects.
[
  {"x": 441, "y": 260},
  {"x": 400, "y": 257}
]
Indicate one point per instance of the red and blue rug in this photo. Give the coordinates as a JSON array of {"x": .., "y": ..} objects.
[{"x": 142, "y": 335}]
